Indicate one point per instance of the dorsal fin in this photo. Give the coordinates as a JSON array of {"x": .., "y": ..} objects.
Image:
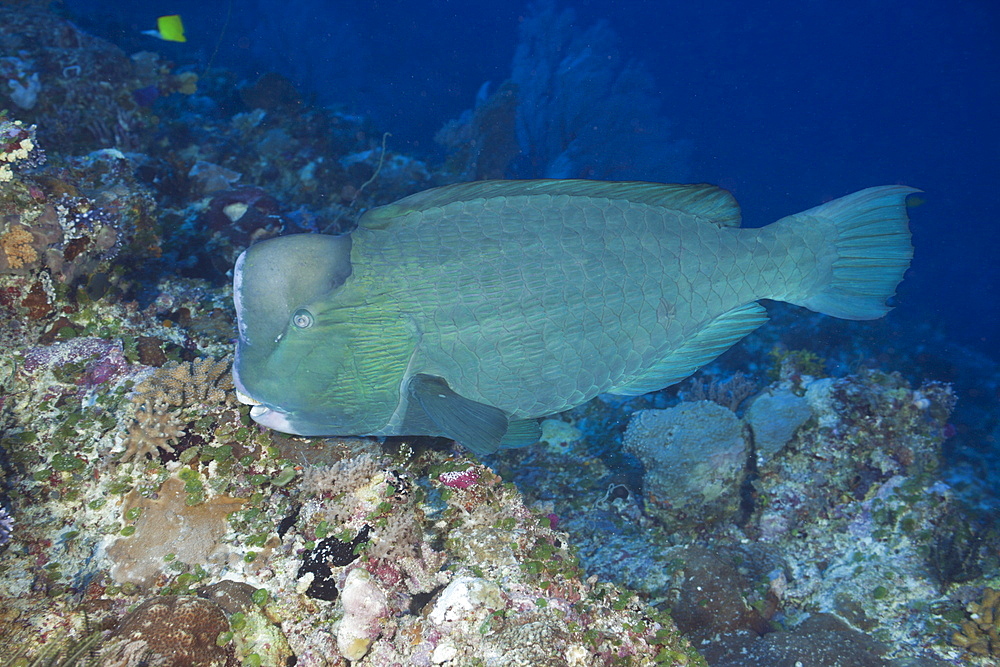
[{"x": 709, "y": 202}]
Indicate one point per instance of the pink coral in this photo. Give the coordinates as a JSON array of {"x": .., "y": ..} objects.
[{"x": 459, "y": 479}]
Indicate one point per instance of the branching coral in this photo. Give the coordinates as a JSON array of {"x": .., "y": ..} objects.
[
  {"x": 353, "y": 483},
  {"x": 399, "y": 538},
  {"x": 981, "y": 633},
  {"x": 17, "y": 247},
  {"x": 341, "y": 477},
  {"x": 160, "y": 399},
  {"x": 729, "y": 393}
]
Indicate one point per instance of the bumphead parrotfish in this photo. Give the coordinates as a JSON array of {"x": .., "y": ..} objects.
[{"x": 470, "y": 310}]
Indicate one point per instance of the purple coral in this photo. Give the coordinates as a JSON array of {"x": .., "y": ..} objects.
[
  {"x": 6, "y": 526},
  {"x": 103, "y": 360}
]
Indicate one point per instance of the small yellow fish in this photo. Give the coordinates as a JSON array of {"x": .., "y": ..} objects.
[{"x": 168, "y": 28}]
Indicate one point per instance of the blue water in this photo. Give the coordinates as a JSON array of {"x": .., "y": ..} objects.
[{"x": 785, "y": 103}]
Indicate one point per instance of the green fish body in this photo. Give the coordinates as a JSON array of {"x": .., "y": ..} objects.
[{"x": 471, "y": 310}]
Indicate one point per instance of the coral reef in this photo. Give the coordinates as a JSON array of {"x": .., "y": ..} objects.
[
  {"x": 835, "y": 522},
  {"x": 18, "y": 149},
  {"x": 866, "y": 437},
  {"x": 67, "y": 232},
  {"x": 366, "y": 611},
  {"x": 582, "y": 111},
  {"x": 349, "y": 560},
  {"x": 137, "y": 497},
  {"x": 482, "y": 142},
  {"x": 78, "y": 88},
  {"x": 572, "y": 108}
]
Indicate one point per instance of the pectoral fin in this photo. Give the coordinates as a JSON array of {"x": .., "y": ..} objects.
[{"x": 480, "y": 427}]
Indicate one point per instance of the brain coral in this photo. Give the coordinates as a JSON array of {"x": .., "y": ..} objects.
[{"x": 169, "y": 631}]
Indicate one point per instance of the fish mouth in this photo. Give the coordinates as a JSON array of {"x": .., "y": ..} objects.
[
  {"x": 263, "y": 415},
  {"x": 272, "y": 419},
  {"x": 246, "y": 400},
  {"x": 269, "y": 417}
]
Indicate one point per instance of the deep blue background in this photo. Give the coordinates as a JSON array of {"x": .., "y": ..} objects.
[{"x": 786, "y": 103}]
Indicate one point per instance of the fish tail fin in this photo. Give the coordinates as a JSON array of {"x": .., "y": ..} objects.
[{"x": 864, "y": 252}]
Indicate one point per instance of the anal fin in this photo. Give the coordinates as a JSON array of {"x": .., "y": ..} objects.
[
  {"x": 521, "y": 433},
  {"x": 714, "y": 338}
]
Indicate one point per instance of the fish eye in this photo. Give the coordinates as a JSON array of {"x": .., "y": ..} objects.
[{"x": 302, "y": 318}]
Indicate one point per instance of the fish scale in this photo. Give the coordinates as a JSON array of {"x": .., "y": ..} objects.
[
  {"x": 470, "y": 310},
  {"x": 541, "y": 282}
]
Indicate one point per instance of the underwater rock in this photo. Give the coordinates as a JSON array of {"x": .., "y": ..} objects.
[
  {"x": 695, "y": 456},
  {"x": 231, "y": 596},
  {"x": 773, "y": 417},
  {"x": 483, "y": 140},
  {"x": 466, "y": 596},
  {"x": 6, "y": 525},
  {"x": 240, "y": 216},
  {"x": 579, "y": 102},
  {"x": 208, "y": 177},
  {"x": 712, "y": 597},
  {"x": 272, "y": 92},
  {"x": 558, "y": 434},
  {"x": 316, "y": 572},
  {"x": 820, "y": 641},
  {"x": 365, "y": 608}
]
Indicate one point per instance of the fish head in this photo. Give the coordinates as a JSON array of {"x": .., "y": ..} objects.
[{"x": 286, "y": 359}]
